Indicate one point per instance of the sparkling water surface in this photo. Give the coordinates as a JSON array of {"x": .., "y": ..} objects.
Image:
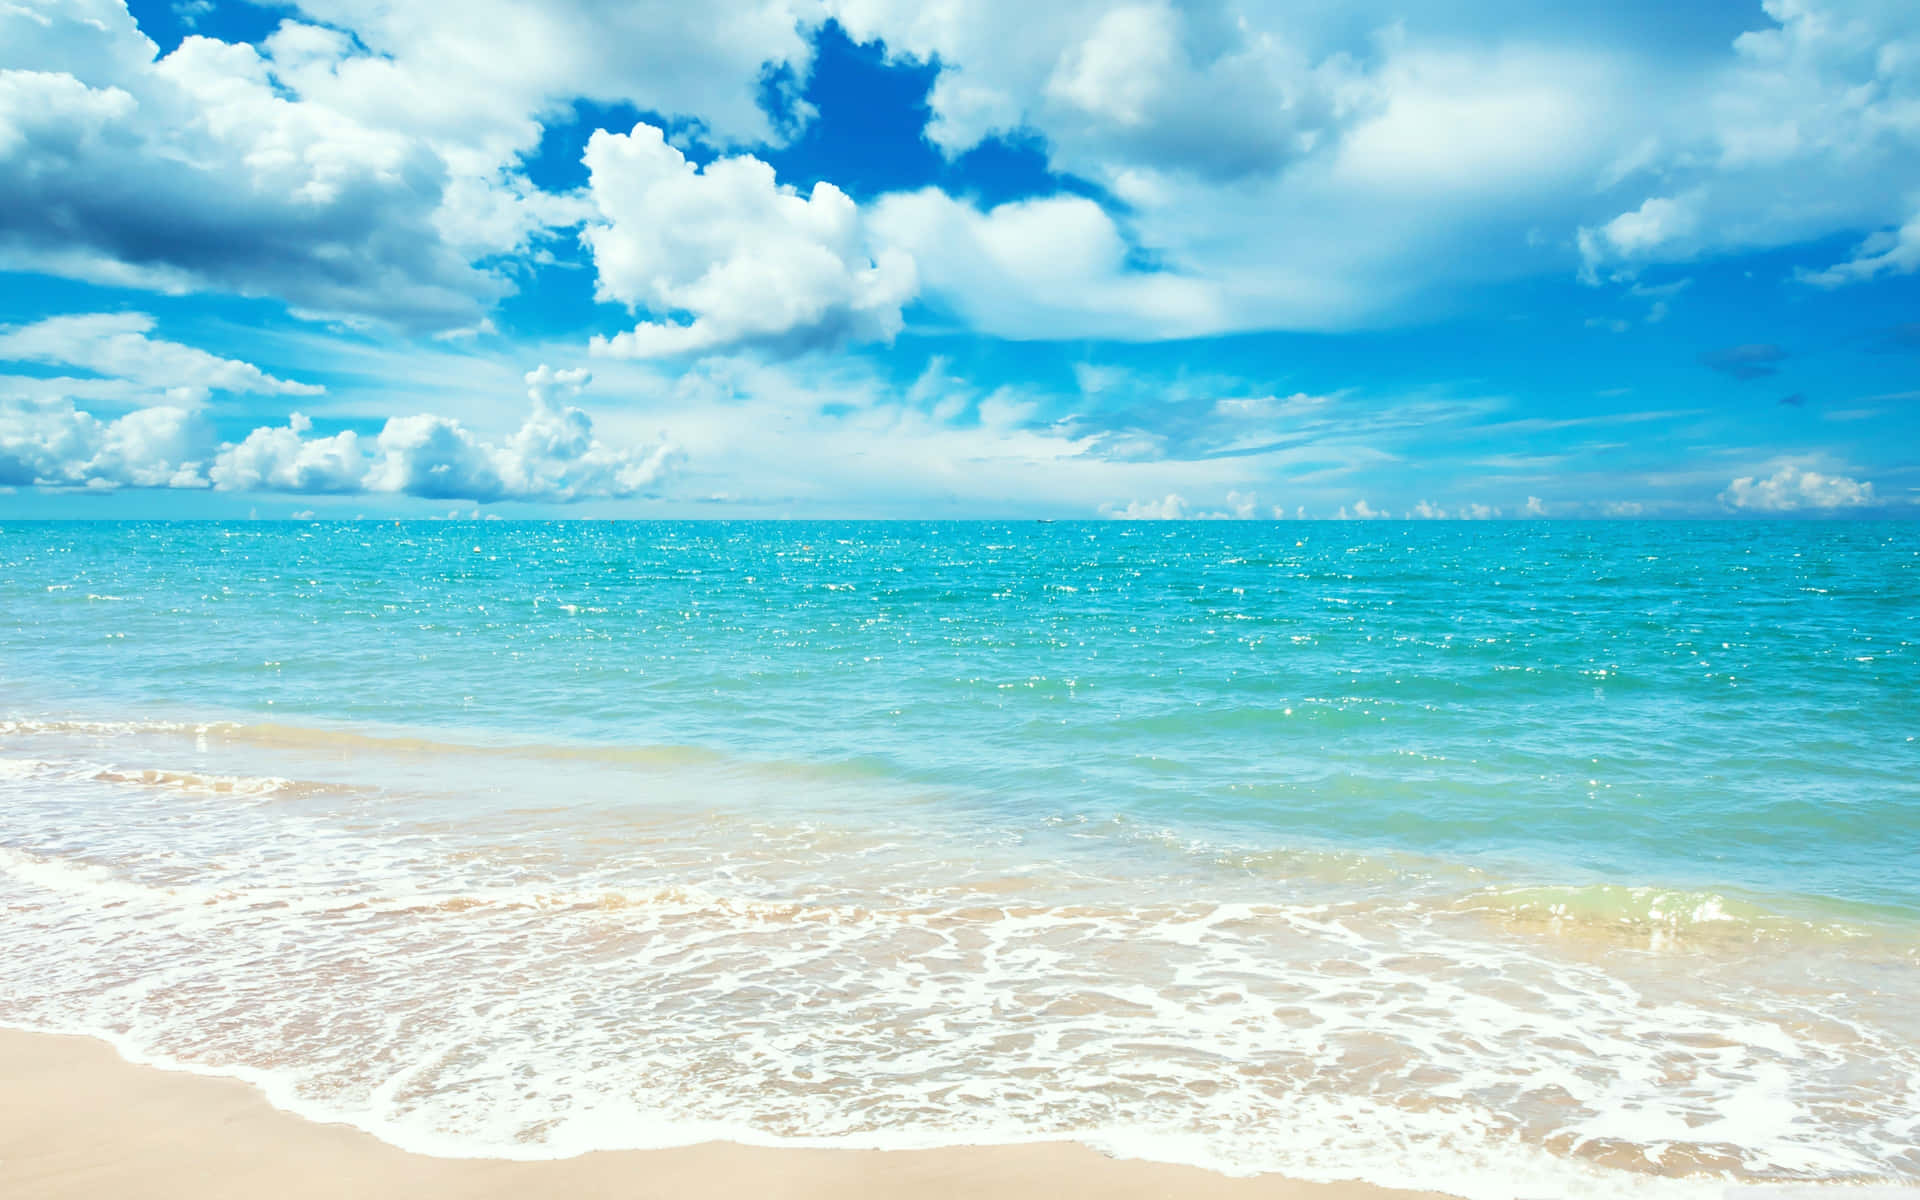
[{"x": 1503, "y": 856}]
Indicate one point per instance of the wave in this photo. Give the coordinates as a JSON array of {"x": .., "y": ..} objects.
[
  {"x": 1653, "y": 914},
  {"x": 247, "y": 787},
  {"x": 1632, "y": 912},
  {"x": 432, "y": 993},
  {"x": 1626, "y": 913},
  {"x": 1505, "y": 1170},
  {"x": 335, "y": 743},
  {"x": 27, "y": 726}
]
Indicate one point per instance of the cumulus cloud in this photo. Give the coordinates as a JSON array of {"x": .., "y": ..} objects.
[
  {"x": 1808, "y": 129},
  {"x": 1406, "y": 162},
  {"x": 1051, "y": 267},
  {"x": 1240, "y": 506},
  {"x": 1361, "y": 511},
  {"x": 1413, "y": 154},
  {"x": 1141, "y": 84},
  {"x": 119, "y": 345},
  {"x": 1433, "y": 182},
  {"x": 1174, "y": 86},
  {"x": 367, "y": 158},
  {"x": 284, "y": 459},
  {"x": 479, "y": 77},
  {"x": 56, "y": 444},
  {"x": 363, "y": 160},
  {"x": 201, "y": 169},
  {"x": 553, "y": 457},
  {"x": 1426, "y": 510},
  {"x": 753, "y": 263},
  {"x": 1895, "y": 253},
  {"x": 1793, "y": 489},
  {"x": 1659, "y": 221},
  {"x": 1172, "y": 507}
]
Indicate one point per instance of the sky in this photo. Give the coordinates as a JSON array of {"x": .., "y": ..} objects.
[{"x": 943, "y": 259}]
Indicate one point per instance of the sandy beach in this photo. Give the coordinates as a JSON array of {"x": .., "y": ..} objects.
[{"x": 76, "y": 1120}]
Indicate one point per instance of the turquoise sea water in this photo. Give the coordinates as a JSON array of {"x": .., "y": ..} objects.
[{"x": 1500, "y": 856}]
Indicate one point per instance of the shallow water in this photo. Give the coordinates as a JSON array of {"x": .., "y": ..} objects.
[{"x": 1517, "y": 860}]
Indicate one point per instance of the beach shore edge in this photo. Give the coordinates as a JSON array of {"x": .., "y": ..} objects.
[{"x": 77, "y": 1120}]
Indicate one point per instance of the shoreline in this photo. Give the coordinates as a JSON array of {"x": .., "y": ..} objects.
[{"x": 77, "y": 1120}]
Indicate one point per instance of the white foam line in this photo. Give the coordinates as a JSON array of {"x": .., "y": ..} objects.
[{"x": 611, "y": 1127}]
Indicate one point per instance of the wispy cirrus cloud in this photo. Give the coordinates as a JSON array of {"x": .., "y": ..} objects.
[{"x": 121, "y": 346}]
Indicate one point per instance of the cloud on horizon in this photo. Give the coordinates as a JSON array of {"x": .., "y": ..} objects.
[
  {"x": 554, "y": 457},
  {"x": 1793, "y": 489}
]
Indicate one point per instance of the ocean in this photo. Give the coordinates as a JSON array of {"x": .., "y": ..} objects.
[{"x": 1506, "y": 859}]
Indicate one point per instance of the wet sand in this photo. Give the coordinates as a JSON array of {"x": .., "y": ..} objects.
[{"x": 77, "y": 1121}]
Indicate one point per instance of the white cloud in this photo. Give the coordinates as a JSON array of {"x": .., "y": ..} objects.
[
  {"x": 118, "y": 345},
  {"x": 362, "y": 158},
  {"x": 1535, "y": 507},
  {"x": 554, "y": 457},
  {"x": 1426, "y": 510},
  {"x": 1046, "y": 268},
  {"x": 284, "y": 459},
  {"x": 1793, "y": 489},
  {"x": 1807, "y": 129},
  {"x": 479, "y": 76},
  {"x": 366, "y": 160},
  {"x": 1635, "y": 235},
  {"x": 1403, "y": 163},
  {"x": 1172, "y": 508},
  {"x": 1414, "y": 153},
  {"x": 1141, "y": 82},
  {"x": 1361, "y": 511},
  {"x": 1260, "y": 408},
  {"x": 1895, "y": 253},
  {"x": 202, "y": 169},
  {"x": 830, "y": 437},
  {"x": 753, "y": 262},
  {"x": 1241, "y": 506},
  {"x": 55, "y": 443}
]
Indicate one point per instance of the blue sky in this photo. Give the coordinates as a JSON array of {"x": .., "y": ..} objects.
[{"x": 872, "y": 258}]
